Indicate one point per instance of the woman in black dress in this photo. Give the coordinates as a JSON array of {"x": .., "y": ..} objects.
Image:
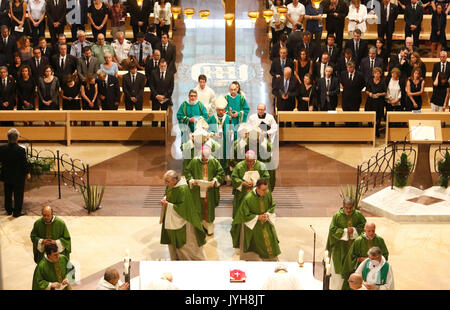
[
  {"x": 48, "y": 90},
  {"x": 416, "y": 62},
  {"x": 26, "y": 90},
  {"x": 438, "y": 24},
  {"x": 302, "y": 66},
  {"x": 70, "y": 93},
  {"x": 440, "y": 96},
  {"x": 14, "y": 67},
  {"x": 18, "y": 11},
  {"x": 89, "y": 92},
  {"x": 307, "y": 100},
  {"x": 381, "y": 52},
  {"x": 98, "y": 16},
  {"x": 414, "y": 90},
  {"x": 376, "y": 92}
]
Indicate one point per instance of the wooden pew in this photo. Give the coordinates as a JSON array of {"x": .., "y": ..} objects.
[
  {"x": 338, "y": 133},
  {"x": 399, "y": 134},
  {"x": 64, "y": 131}
]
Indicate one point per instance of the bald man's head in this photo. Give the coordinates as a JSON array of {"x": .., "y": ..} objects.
[
  {"x": 369, "y": 229},
  {"x": 355, "y": 281},
  {"x": 47, "y": 214}
]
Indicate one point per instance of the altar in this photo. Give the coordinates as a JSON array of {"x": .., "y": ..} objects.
[{"x": 215, "y": 275}]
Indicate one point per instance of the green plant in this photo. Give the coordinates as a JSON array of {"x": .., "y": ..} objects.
[
  {"x": 402, "y": 170},
  {"x": 350, "y": 191},
  {"x": 38, "y": 167},
  {"x": 92, "y": 197},
  {"x": 444, "y": 170}
]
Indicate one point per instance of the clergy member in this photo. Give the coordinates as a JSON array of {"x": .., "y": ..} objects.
[
  {"x": 204, "y": 175},
  {"x": 359, "y": 248},
  {"x": 54, "y": 271},
  {"x": 193, "y": 146},
  {"x": 244, "y": 177},
  {"x": 111, "y": 281},
  {"x": 265, "y": 121},
  {"x": 181, "y": 227},
  {"x": 355, "y": 282},
  {"x": 237, "y": 108},
  {"x": 189, "y": 114},
  {"x": 281, "y": 279},
  {"x": 347, "y": 224},
  {"x": 206, "y": 95},
  {"x": 50, "y": 229},
  {"x": 219, "y": 126},
  {"x": 162, "y": 284},
  {"x": 253, "y": 228},
  {"x": 376, "y": 271}
]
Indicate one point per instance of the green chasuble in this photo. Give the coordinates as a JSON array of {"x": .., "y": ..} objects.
[
  {"x": 197, "y": 170},
  {"x": 190, "y": 150},
  {"x": 186, "y": 111},
  {"x": 47, "y": 272},
  {"x": 239, "y": 191},
  {"x": 238, "y": 104},
  {"x": 339, "y": 248},
  {"x": 180, "y": 197},
  {"x": 262, "y": 239},
  {"x": 222, "y": 127},
  {"x": 358, "y": 249},
  {"x": 56, "y": 230},
  {"x": 263, "y": 152}
]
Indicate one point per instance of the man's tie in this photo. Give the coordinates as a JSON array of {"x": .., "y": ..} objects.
[
  {"x": 165, "y": 49},
  {"x": 357, "y": 47},
  {"x": 328, "y": 89},
  {"x": 87, "y": 63},
  {"x": 443, "y": 68},
  {"x": 371, "y": 64},
  {"x": 330, "y": 50},
  {"x": 62, "y": 63},
  {"x": 154, "y": 63},
  {"x": 162, "y": 75},
  {"x": 37, "y": 63},
  {"x": 4, "y": 83},
  {"x": 132, "y": 79},
  {"x": 351, "y": 77},
  {"x": 282, "y": 64},
  {"x": 140, "y": 53},
  {"x": 285, "y": 86}
]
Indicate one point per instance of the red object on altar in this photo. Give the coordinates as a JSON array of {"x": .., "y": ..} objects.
[{"x": 237, "y": 275}]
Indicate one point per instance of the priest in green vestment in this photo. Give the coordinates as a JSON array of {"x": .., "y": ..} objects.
[
  {"x": 360, "y": 247},
  {"x": 54, "y": 271},
  {"x": 347, "y": 224},
  {"x": 222, "y": 133},
  {"x": 237, "y": 108},
  {"x": 193, "y": 146},
  {"x": 252, "y": 229},
  {"x": 50, "y": 229},
  {"x": 189, "y": 114},
  {"x": 376, "y": 272},
  {"x": 181, "y": 227},
  {"x": 204, "y": 175},
  {"x": 244, "y": 177}
]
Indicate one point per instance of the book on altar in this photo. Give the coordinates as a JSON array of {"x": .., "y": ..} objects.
[
  {"x": 423, "y": 133},
  {"x": 251, "y": 176},
  {"x": 204, "y": 185},
  {"x": 237, "y": 275}
]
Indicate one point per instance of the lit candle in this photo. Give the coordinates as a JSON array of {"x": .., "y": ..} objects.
[
  {"x": 127, "y": 255},
  {"x": 327, "y": 260},
  {"x": 328, "y": 269},
  {"x": 126, "y": 267},
  {"x": 300, "y": 256},
  {"x": 325, "y": 255}
]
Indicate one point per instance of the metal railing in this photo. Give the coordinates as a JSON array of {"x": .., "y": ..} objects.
[{"x": 439, "y": 154}]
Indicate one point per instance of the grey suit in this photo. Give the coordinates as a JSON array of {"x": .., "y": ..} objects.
[{"x": 84, "y": 70}]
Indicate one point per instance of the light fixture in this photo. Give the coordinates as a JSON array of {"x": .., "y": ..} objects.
[
  {"x": 189, "y": 12},
  {"x": 176, "y": 11},
  {"x": 229, "y": 18},
  {"x": 267, "y": 15},
  {"x": 282, "y": 10},
  {"x": 253, "y": 16},
  {"x": 204, "y": 14},
  {"x": 139, "y": 2}
]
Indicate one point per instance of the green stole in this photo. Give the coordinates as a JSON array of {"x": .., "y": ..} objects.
[{"x": 382, "y": 275}]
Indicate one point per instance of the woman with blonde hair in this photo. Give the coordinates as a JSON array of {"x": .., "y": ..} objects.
[
  {"x": 110, "y": 66},
  {"x": 24, "y": 48},
  {"x": 89, "y": 92},
  {"x": 376, "y": 91}
]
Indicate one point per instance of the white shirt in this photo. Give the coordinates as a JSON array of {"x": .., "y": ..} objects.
[
  {"x": 322, "y": 69},
  {"x": 361, "y": 15},
  {"x": 295, "y": 12},
  {"x": 269, "y": 120},
  {"x": 122, "y": 50},
  {"x": 36, "y": 9},
  {"x": 207, "y": 97},
  {"x": 168, "y": 14},
  {"x": 276, "y": 18},
  {"x": 393, "y": 90}
]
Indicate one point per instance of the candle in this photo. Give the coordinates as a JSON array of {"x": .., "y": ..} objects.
[
  {"x": 327, "y": 260},
  {"x": 300, "y": 256},
  {"x": 325, "y": 255},
  {"x": 126, "y": 267},
  {"x": 127, "y": 256},
  {"x": 328, "y": 269}
]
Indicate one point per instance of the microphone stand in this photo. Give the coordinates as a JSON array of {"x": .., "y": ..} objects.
[{"x": 314, "y": 249}]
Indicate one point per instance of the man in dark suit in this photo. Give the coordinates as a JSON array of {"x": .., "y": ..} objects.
[
  {"x": 369, "y": 63},
  {"x": 4, "y": 11},
  {"x": 294, "y": 40},
  {"x": 275, "y": 51},
  {"x": 352, "y": 84},
  {"x": 328, "y": 89},
  {"x": 14, "y": 170},
  {"x": 342, "y": 61},
  {"x": 358, "y": 46},
  {"x": 319, "y": 68},
  {"x": 413, "y": 21},
  {"x": 336, "y": 11},
  {"x": 56, "y": 18},
  {"x": 37, "y": 63},
  {"x": 331, "y": 48},
  {"x": 161, "y": 85},
  {"x": 62, "y": 39},
  {"x": 139, "y": 15},
  {"x": 108, "y": 93},
  {"x": 47, "y": 51},
  {"x": 133, "y": 84},
  {"x": 285, "y": 89},
  {"x": 87, "y": 64},
  {"x": 151, "y": 65},
  {"x": 8, "y": 45},
  {"x": 64, "y": 64},
  {"x": 151, "y": 37},
  {"x": 389, "y": 13},
  {"x": 7, "y": 93},
  {"x": 168, "y": 52},
  {"x": 310, "y": 47},
  {"x": 442, "y": 66},
  {"x": 400, "y": 61},
  {"x": 278, "y": 64}
]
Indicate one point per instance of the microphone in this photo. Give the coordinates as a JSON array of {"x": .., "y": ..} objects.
[{"x": 411, "y": 130}]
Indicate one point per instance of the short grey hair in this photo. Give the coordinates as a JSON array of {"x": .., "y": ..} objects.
[
  {"x": 4, "y": 27},
  {"x": 101, "y": 72},
  {"x": 4, "y": 68},
  {"x": 80, "y": 32},
  {"x": 171, "y": 173},
  {"x": 119, "y": 33},
  {"x": 107, "y": 54},
  {"x": 110, "y": 274},
  {"x": 348, "y": 200},
  {"x": 13, "y": 135},
  {"x": 374, "y": 252},
  {"x": 330, "y": 68},
  {"x": 373, "y": 50}
]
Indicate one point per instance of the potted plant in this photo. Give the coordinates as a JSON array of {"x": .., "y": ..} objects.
[
  {"x": 444, "y": 170},
  {"x": 402, "y": 170},
  {"x": 38, "y": 167},
  {"x": 92, "y": 197}
]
